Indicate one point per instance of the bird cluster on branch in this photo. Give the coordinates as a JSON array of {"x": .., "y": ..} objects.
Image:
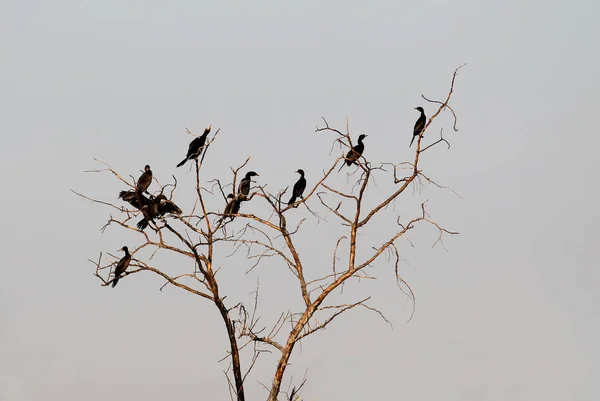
[{"x": 153, "y": 207}]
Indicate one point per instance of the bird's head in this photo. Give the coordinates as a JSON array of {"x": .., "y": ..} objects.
[
  {"x": 146, "y": 168},
  {"x": 300, "y": 171},
  {"x": 420, "y": 109},
  {"x": 362, "y": 136},
  {"x": 230, "y": 196},
  {"x": 207, "y": 129},
  {"x": 251, "y": 174},
  {"x": 124, "y": 249}
]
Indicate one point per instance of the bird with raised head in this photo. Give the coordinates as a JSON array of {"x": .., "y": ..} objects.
[
  {"x": 355, "y": 153},
  {"x": 196, "y": 147},
  {"x": 244, "y": 187},
  {"x": 122, "y": 265},
  {"x": 299, "y": 188},
  {"x": 145, "y": 180},
  {"x": 419, "y": 125}
]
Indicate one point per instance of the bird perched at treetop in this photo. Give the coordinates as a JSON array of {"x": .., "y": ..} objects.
[
  {"x": 196, "y": 146},
  {"x": 145, "y": 180}
]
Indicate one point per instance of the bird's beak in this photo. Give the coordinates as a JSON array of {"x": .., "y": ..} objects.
[
  {"x": 416, "y": 108},
  {"x": 209, "y": 126}
]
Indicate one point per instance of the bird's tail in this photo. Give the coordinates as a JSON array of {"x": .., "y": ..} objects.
[
  {"x": 412, "y": 140},
  {"x": 292, "y": 199},
  {"x": 182, "y": 162},
  {"x": 115, "y": 281},
  {"x": 142, "y": 224}
]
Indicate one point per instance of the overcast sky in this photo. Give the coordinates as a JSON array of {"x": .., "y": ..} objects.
[{"x": 509, "y": 312}]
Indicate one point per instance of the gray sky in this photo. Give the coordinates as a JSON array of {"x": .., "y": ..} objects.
[{"x": 509, "y": 312}]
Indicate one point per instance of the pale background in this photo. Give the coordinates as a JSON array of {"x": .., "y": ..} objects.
[{"x": 510, "y": 312}]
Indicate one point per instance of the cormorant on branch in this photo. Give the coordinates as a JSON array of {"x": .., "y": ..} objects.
[
  {"x": 157, "y": 207},
  {"x": 121, "y": 266},
  {"x": 244, "y": 187},
  {"x": 165, "y": 206},
  {"x": 233, "y": 205},
  {"x": 145, "y": 180},
  {"x": 150, "y": 212},
  {"x": 195, "y": 147},
  {"x": 131, "y": 197},
  {"x": 355, "y": 153},
  {"x": 419, "y": 125},
  {"x": 299, "y": 188}
]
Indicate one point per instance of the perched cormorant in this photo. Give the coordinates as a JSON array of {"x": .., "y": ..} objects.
[
  {"x": 156, "y": 207},
  {"x": 165, "y": 206},
  {"x": 195, "y": 147},
  {"x": 244, "y": 187},
  {"x": 150, "y": 212},
  {"x": 299, "y": 188},
  {"x": 355, "y": 153},
  {"x": 419, "y": 125},
  {"x": 132, "y": 197},
  {"x": 145, "y": 180},
  {"x": 121, "y": 266},
  {"x": 233, "y": 205}
]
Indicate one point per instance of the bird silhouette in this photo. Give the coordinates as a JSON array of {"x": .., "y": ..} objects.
[
  {"x": 121, "y": 266},
  {"x": 299, "y": 188},
  {"x": 156, "y": 207},
  {"x": 133, "y": 198},
  {"x": 355, "y": 153},
  {"x": 419, "y": 125},
  {"x": 232, "y": 207},
  {"x": 244, "y": 187},
  {"x": 195, "y": 148},
  {"x": 145, "y": 180}
]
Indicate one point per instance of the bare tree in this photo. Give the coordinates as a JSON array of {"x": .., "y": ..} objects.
[{"x": 203, "y": 233}]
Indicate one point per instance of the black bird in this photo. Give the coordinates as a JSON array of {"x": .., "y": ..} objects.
[
  {"x": 355, "y": 153},
  {"x": 165, "y": 206},
  {"x": 156, "y": 207},
  {"x": 419, "y": 125},
  {"x": 233, "y": 205},
  {"x": 244, "y": 187},
  {"x": 150, "y": 212},
  {"x": 121, "y": 266},
  {"x": 145, "y": 180},
  {"x": 132, "y": 197},
  {"x": 299, "y": 187},
  {"x": 195, "y": 147}
]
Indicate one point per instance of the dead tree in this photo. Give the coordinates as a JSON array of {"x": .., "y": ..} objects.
[{"x": 204, "y": 232}]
